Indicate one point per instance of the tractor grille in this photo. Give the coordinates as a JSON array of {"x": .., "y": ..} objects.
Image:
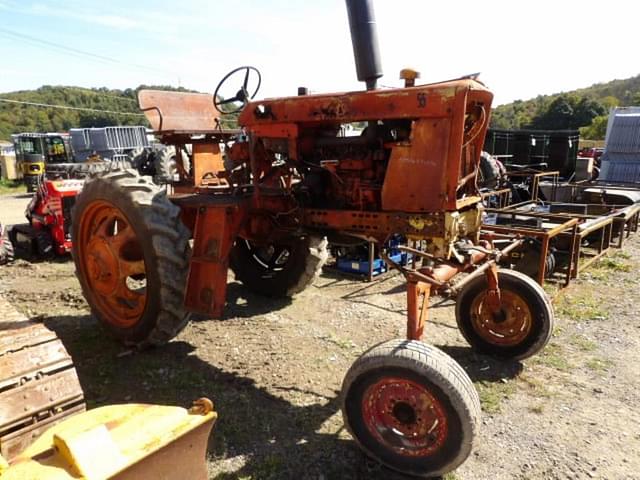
[{"x": 67, "y": 205}]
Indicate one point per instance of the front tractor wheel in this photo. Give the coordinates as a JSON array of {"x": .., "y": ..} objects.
[
  {"x": 279, "y": 270},
  {"x": 411, "y": 407},
  {"x": 131, "y": 254},
  {"x": 521, "y": 328}
]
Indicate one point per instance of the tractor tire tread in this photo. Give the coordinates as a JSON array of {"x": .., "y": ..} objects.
[
  {"x": 7, "y": 252},
  {"x": 440, "y": 368},
  {"x": 318, "y": 255},
  {"x": 169, "y": 242},
  {"x": 548, "y": 322}
]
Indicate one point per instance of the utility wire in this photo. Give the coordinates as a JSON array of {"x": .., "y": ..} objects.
[
  {"x": 77, "y": 52},
  {"x": 66, "y": 107}
]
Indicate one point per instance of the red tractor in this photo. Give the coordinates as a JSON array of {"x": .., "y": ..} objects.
[
  {"x": 48, "y": 232},
  {"x": 266, "y": 199}
]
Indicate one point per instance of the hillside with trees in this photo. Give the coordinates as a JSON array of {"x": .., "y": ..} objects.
[
  {"x": 586, "y": 109},
  {"x": 16, "y": 117}
]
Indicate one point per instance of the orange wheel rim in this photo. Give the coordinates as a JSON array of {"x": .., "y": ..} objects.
[
  {"x": 405, "y": 417},
  {"x": 507, "y": 328},
  {"x": 112, "y": 261}
]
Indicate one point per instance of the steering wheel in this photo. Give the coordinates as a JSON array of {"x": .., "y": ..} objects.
[{"x": 243, "y": 95}]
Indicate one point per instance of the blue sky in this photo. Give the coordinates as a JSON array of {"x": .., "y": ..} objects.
[{"x": 521, "y": 48}]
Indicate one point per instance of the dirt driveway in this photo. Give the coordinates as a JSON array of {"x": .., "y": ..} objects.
[
  {"x": 12, "y": 207},
  {"x": 274, "y": 370}
]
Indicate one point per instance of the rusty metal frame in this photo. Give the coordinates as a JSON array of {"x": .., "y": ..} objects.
[
  {"x": 605, "y": 225},
  {"x": 535, "y": 177},
  {"x": 545, "y": 235},
  {"x": 613, "y": 223},
  {"x": 625, "y": 218},
  {"x": 502, "y": 195}
]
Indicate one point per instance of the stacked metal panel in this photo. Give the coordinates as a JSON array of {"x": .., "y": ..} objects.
[
  {"x": 621, "y": 158},
  {"x": 108, "y": 142}
]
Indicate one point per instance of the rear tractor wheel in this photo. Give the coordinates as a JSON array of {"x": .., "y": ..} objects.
[
  {"x": 521, "y": 328},
  {"x": 165, "y": 164},
  {"x": 411, "y": 407},
  {"x": 6, "y": 247},
  {"x": 279, "y": 270},
  {"x": 131, "y": 254}
]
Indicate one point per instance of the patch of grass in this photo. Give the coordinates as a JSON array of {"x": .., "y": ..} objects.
[
  {"x": 614, "y": 263},
  {"x": 450, "y": 476},
  {"x": 538, "y": 409},
  {"x": 623, "y": 255},
  {"x": 345, "y": 344},
  {"x": 11, "y": 186},
  {"x": 492, "y": 394},
  {"x": 535, "y": 386},
  {"x": 553, "y": 356},
  {"x": 269, "y": 467},
  {"x": 551, "y": 289},
  {"x": 582, "y": 307},
  {"x": 583, "y": 343},
  {"x": 599, "y": 364},
  {"x": 597, "y": 273}
]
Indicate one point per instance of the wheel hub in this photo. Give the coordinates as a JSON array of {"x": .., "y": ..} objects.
[
  {"x": 509, "y": 326},
  {"x": 113, "y": 262},
  {"x": 405, "y": 416},
  {"x": 102, "y": 266}
]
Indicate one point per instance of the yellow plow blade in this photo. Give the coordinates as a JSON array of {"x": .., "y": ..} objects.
[
  {"x": 121, "y": 442},
  {"x": 38, "y": 383}
]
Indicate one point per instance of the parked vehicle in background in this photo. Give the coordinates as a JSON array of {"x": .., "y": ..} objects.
[
  {"x": 592, "y": 152},
  {"x": 35, "y": 150},
  {"x": 129, "y": 147}
]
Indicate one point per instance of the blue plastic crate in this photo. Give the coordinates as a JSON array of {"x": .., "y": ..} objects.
[{"x": 358, "y": 266}]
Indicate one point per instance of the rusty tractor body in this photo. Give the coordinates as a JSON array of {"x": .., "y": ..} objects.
[{"x": 265, "y": 199}]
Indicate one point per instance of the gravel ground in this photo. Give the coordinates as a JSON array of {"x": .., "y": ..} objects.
[
  {"x": 12, "y": 207},
  {"x": 274, "y": 370}
]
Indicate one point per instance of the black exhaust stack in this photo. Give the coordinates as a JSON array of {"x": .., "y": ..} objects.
[{"x": 364, "y": 37}]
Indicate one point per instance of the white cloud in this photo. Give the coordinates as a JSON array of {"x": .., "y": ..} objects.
[{"x": 107, "y": 20}]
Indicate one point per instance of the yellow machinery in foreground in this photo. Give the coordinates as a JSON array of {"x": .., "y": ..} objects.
[
  {"x": 46, "y": 434},
  {"x": 120, "y": 442}
]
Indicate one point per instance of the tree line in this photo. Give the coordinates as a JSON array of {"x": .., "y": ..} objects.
[
  {"x": 586, "y": 109},
  {"x": 17, "y": 118}
]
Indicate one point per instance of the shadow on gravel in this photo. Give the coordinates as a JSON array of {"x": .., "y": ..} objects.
[
  {"x": 20, "y": 195},
  {"x": 241, "y": 303},
  {"x": 483, "y": 368},
  {"x": 25, "y": 251},
  {"x": 257, "y": 435}
]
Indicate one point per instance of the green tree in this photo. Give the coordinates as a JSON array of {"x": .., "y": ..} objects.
[
  {"x": 597, "y": 130},
  {"x": 557, "y": 116},
  {"x": 585, "y": 110},
  {"x": 610, "y": 102},
  {"x": 567, "y": 112},
  {"x": 15, "y": 118}
]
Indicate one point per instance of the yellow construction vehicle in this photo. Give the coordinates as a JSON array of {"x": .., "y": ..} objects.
[
  {"x": 46, "y": 434},
  {"x": 36, "y": 150}
]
